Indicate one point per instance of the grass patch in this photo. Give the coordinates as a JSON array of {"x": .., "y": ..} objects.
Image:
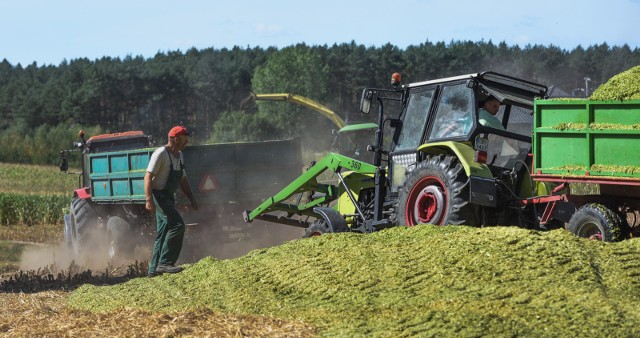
[
  {"x": 10, "y": 254},
  {"x": 40, "y": 233},
  {"x": 35, "y": 179},
  {"x": 29, "y": 210},
  {"x": 420, "y": 281},
  {"x": 33, "y": 200}
]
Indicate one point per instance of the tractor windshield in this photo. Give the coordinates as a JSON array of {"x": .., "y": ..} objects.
[
  {"x": 455, "y": 112},
  {"x": 414, "y": 119}
]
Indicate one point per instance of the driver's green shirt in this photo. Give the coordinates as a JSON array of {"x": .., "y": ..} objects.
[{"x": 489, "y": 120}]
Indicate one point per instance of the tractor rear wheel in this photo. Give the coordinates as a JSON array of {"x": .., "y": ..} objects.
[
  {"x": 596, "y": 221},
  {"x": 84, "y": 225},
  {"x": 436, "y": 192}
]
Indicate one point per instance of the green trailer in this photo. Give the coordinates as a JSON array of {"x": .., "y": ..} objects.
[{"x": 589, "y": 148}]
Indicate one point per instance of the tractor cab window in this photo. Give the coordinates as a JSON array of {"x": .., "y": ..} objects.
[
  {"x": 415, "y": 119},
  {"x": 454, "y": 117},
  {"x": 506, "y": 152},
  {"x": 520, "y": 120}
]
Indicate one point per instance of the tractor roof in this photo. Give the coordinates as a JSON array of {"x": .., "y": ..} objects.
[{"x": 505, "y": 88}]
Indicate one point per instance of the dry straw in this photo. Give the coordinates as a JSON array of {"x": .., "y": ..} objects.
[{"x": 46, "y": 314}]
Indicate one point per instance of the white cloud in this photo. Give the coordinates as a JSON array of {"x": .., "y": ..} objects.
[
  {"x": 266, "y": 29},
  {"x": 520, "y": 40}
]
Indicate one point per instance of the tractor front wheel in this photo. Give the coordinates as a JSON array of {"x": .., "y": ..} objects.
[
  {"x": 317, "y": 228},
  {"x": 436, "y": 192}
]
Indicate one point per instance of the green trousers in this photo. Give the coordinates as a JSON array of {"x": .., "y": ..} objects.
[{"x": 170, "y": 228}]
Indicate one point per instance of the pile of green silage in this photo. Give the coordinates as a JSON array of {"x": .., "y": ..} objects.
[
  {"x": 623, "y": 86},
  {"x": 425, "y": 280}
]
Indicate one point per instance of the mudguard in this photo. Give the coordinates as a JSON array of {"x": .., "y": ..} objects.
[{"x": 463, "y": 152}]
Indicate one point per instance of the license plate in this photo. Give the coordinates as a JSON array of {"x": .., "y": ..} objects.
[{"x": 481, "y": 143}]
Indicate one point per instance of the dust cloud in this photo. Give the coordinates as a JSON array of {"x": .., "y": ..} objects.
[
  {"x": 225, "y": 235},
  {"x": 221, "y": 235},
  {"x": 61, "y": 257},
  {"x": 245, "y": 175}
]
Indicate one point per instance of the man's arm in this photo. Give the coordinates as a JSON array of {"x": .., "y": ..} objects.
[
  {"x": 149, "y": 205},
  {"x": 186, "y": 188}
]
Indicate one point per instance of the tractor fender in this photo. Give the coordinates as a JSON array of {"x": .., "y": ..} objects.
[
  {"x": 82, "y": 193},
  {"x": 334, "y": 220},
  {"x": 463, "y": 151}
]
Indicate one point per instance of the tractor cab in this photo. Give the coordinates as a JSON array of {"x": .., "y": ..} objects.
[{"x": 435, "y": 115}]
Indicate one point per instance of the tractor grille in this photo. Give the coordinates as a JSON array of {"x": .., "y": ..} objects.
[
  {"x": 402, "y": 165},
  {"x": 408, "y": 161}
]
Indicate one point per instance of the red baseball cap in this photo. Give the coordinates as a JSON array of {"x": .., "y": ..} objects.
[{"x": 177, "y": 131}]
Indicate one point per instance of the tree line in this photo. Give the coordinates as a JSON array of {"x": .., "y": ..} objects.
[{"x": 43, "y": 107}]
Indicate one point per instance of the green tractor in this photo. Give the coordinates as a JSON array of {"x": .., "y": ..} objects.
[{"x": 436, "y": 160}]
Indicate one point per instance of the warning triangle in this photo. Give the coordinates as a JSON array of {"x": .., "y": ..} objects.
[{"x": 208, "y": 183}]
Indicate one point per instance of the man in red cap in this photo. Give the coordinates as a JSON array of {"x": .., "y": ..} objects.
[{"x": 165, "y": 173}]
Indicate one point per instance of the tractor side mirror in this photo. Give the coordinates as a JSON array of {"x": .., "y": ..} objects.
[
  {"x": 64, "y": 162},
  {"x": 365, "y": 102}
]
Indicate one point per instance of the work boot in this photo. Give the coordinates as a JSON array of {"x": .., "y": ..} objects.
[{"x": 163, "y": 268}]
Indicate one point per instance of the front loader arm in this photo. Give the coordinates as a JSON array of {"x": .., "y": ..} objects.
[{"x": 307, "y": 182}]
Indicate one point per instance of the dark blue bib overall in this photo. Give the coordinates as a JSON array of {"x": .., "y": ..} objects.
[{"x": 169, "y": 223}]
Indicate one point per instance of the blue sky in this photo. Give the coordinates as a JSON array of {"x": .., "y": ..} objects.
[{"x": 48, "y": 32}]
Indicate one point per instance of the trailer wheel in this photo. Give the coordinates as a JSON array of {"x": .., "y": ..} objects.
[
  {"x": 121, "y": 242},
  {"x": 595, "y": 221},
  {"x": 84, "y": 224},
  {"x": 436, "y": 192}
]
